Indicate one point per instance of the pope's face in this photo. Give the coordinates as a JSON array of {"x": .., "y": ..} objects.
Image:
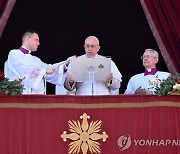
[{"x": 91, "y": 47}]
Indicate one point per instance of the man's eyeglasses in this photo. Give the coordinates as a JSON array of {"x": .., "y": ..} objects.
[
  {"x": 90, "y": 46},
  {"x": 147, "y": 56}
]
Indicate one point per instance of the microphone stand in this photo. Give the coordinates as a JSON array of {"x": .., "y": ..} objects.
[{"x": 91, "y": 71}]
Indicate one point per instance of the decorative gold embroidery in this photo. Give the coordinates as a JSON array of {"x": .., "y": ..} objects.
[{"x": 84, "y": 136}]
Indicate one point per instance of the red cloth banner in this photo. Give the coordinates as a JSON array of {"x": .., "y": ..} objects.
[{"x": 34, "y": 124}]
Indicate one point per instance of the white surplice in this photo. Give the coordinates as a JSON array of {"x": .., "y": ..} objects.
[
  {"x": 33, "y": 72},
  {"x": 148, "y": 82}
]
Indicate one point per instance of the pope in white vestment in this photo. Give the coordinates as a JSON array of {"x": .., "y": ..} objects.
[
  {"x": 107, "y": 87},
  {"x": 99, "y": 87}
]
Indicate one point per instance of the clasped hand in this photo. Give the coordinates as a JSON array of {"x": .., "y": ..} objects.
[{"x": 142, "y": 91}]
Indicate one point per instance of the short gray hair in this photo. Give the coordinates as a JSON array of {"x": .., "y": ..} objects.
[
  {"x": 92, "y": 37},
  {"x": 154, "y": 52}
]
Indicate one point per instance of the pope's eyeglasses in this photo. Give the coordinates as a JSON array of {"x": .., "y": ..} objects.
[{"x": 90, "y": 46}]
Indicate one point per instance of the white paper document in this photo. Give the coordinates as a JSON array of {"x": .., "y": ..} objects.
[{"x": 85, "y": 69}]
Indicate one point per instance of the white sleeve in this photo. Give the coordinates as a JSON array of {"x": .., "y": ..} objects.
[
  {"x": 58, "y": 76},
  {"x": 19, "y": 68},
  {"x": 130, "y": 89},
  {"x": 117, "y": 77}
]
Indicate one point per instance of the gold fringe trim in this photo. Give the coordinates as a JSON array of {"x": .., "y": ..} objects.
[{"x": 90, "y": 106}]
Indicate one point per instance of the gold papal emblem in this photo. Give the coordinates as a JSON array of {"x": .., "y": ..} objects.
[{"x": 84, "y": 135}]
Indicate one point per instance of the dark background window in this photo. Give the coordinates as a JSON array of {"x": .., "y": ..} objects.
[{"x": 120, "y": 26}]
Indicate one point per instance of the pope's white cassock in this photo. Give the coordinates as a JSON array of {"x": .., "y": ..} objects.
[
  {"x": 32, "y": 71},
  {"x": 148, "y": 82},
  {"x": 99, "y": 87}
]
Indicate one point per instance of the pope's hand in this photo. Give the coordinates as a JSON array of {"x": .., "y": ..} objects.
[
  {"x": 110, "y": 77},
  {"x": 70, "y": 79}
]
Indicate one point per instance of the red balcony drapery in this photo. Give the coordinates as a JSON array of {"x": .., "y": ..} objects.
[
  {"x": 163, "y": 18},
  {"x": 33, "y": 124}
]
